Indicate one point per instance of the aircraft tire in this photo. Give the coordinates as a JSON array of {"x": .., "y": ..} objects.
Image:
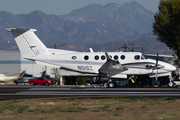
[
  {"x": 111, "y": 85},
  {"x": 170, "y": 84}
]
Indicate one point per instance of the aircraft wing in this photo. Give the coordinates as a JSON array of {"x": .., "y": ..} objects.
[{"x": 111, "y": 66}]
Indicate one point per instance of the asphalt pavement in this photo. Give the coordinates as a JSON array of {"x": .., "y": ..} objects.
[{"x": 11, "y": 92}]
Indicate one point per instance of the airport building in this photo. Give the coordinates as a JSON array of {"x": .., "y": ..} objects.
[{"x": 12, "y": 64}]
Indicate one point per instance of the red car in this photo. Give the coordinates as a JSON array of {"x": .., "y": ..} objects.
[{"x": 40, "y": 80}]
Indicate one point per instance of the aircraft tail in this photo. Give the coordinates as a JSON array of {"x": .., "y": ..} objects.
[
  {"x": 8, "y": 79},
  {"x": 29, "y": 44},
  {"x": 22, "y": 74}
]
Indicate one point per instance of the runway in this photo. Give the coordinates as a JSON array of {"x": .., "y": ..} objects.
[{"x": 30, "y": 92}]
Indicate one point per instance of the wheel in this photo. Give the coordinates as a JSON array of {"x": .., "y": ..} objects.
[
  {"x": 111, "y": 85},
  {"x": 32, "y": 83},
  {"x": 47, "y": 84},
  {"x": 170, "y": 84}
]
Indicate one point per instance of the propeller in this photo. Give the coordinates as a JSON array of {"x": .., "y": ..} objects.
[
  {"x": 157, "y": 59},
  {"x": 156, "y": 67}
]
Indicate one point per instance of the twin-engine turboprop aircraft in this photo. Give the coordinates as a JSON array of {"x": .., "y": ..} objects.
[{"x": 121, "y": 65}]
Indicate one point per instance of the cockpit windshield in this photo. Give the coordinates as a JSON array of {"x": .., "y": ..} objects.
[{"x": 144, "y": 56}]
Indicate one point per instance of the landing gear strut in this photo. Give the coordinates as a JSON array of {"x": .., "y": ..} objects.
[{"x": 171, "y": 84}]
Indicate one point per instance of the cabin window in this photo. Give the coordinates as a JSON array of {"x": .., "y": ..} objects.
[
  {"x": 74, "y": 57},
  {"x": 122, "y": 57},
  {"x": 136, "y": 57},
  {"x": 142, "y": 58},
  {"x": 116, "y": 57},
  {"x": 96, "y": 57},
  {"x": 86, "y": 57},
  {"x": 102, "y": 57},
  {"x": 110, "y": 56}
]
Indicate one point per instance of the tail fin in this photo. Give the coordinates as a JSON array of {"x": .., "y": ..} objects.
[
  {"x": 13, "y": 78},
  {"x": 28, "y": 43},
  {"x": 22, "y": 74}
]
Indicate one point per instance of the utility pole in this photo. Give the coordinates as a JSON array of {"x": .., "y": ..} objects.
[
  {"x": 132, "y": 49},
  {"x": 124, "y": 48},
  {"x": 54, "y": 45}
]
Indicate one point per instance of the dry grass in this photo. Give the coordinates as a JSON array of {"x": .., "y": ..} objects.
[{"x": 91, "y": 109}]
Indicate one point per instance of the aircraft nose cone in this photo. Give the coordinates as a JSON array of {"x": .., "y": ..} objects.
[{"x": 171, "y": 68}]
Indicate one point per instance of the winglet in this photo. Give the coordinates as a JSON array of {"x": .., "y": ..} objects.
[
  {"x": 20, "y": 30},
  {"x": 107, "y": 56}
]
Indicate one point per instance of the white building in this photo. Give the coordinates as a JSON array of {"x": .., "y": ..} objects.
[{"x": 12, "y": 63}]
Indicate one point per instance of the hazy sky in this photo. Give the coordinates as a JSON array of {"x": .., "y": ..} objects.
[{"x": 60, "y": 7}]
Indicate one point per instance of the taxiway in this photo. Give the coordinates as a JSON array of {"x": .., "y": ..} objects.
[{"x": 30, "y": 92}]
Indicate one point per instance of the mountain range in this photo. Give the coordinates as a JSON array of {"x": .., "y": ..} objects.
[{"x": 103, "y": 28}]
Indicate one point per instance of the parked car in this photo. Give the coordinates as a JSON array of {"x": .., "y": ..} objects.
[
  {"x": 40, "y": 80},
  {"x": 53, "y": 81},
  {"x": 24, "y": 79}
]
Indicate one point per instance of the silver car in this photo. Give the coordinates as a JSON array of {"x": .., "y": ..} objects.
[{"x": 24, "y": 79}]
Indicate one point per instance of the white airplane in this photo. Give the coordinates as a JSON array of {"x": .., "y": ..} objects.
[
  {"x": 121, "y": 65},
  {"x": 4, "y": 78}
]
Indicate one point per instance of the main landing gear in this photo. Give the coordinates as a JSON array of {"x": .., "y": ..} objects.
[{"x": 111, "y": 84}]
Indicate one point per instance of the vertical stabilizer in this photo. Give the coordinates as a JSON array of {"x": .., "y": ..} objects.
[{"x": 28, "y": 43}]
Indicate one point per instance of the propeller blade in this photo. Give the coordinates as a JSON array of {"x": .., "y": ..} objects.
[
  {"x": 156, "y": 75},
  {"x": 157, "y": 59},
  {"x": 156, "y": 64}
]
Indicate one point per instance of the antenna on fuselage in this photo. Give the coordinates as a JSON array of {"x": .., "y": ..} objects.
[{"x": 91, "y": 50}]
